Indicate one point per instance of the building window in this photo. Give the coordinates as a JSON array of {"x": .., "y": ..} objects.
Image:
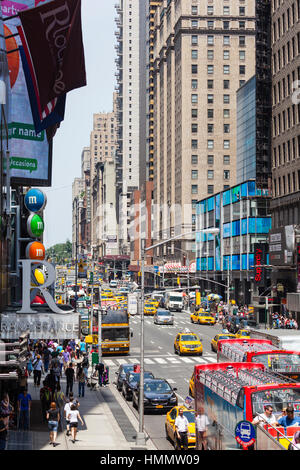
[
  {"x": 194, "y": 128},
  {"x": 194, "y": 174},
  {"x": 226, "y": 25},
  {"x": 194, "y": 40},
  {"x": 194, "y": 189},
  {"x": 226, "y": 159},
  {"x": 194, "y": 113},
  {"x": 194, "y": 143},
  {"x": 226, "y": 69},
  {"x": 210, "y": 84},
  {"x": 210, "y": 40},
  {"x": 226, "y": 84},
  {"x": 194, "y": 203},
  {"x": 226, "y": 144},
  {"x": 242, "y": 24},
  {"x": 194, "y": 159},
  {"x": 210, "y": 159},
  {"x": 210, "y": 54},
  {"x": 210, "y": 128},
  {"x": 226, "y": 10},
  {"x": 210, "y": 9},
  {"x": 210, "y": 24},
  {"x": 226, "y": 113},
  {"x": 226, "y": 55},
  {"x": 194, "y": 68},
  {"x": 194, "y": 10},
  {"x": 194, "y": 84},
  {"x": 210, "y": 99},
  {"x": 226, "y": 174},
  {"x": 210, "y": 188},
  {"x": 242, "y": 69},
  {"x": 194, "y": 54},
  {"x": 194, "y": 99},
  {"x": 194, "y": 23},
  {"x": 242, "y": 11},
  {"x": 242, "y": 41},
  {"x": 242, "y": 55},
  {"x": 210, "y": 69},
  {"x": 226, "y": 128},
  {"x": 210, "y": 144},
  {"x": 210, "y": 174},
  {"x": 226, "y": 99},
  {"x": 226, "y": 40},
  {"x": 210, "y": 113}
]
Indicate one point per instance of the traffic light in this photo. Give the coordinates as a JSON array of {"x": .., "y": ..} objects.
[{"x": 32, "y": 225}]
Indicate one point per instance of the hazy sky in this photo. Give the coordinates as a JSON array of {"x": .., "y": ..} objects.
[{"x": 74, "y": 133}]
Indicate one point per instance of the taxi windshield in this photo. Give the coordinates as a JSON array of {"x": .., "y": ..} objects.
[
  {"x": 244, "y": 333},
  {"x": 190, "y": 416},
  {"x": 278, "y": 398},
  {"x": 282, "y": 363},
  {"x": 207, "y": 314},
  {"x": 224, "y": 337},
  {"x": 189, "y": 338}
]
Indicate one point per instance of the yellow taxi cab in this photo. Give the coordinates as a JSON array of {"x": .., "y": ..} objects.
[
  {"x": 149, "y": 309},
  {"x": 170, "y": 426},
  {"x": 107, "y": 292},
  {"x": 192, "y": 385},
  {"x": 214, "y": 341},
  {"x": 188, "y": 343},
  {"x": 119, "y": 298},
  {"x": 203, "y": 318},
  {"x": 155, "y": 303},
  {"x": 243, "y": 334}
]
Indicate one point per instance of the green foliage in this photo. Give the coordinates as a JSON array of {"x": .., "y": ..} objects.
[{"x": 61, "y": 253}]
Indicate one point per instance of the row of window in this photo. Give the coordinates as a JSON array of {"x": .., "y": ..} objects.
[
  {"x": 210, "y": 128},
  {"x": 211, "y": 54},
  {"x": 210, "y": 113},
  {"x": 288, "y": 86},
  {"x": 211, "y": 40},
  {"x": 210, "y": 84},
  {"x": 211, "y": 11},
  {"x": 210, "y": 159},
  {"x": 287, "y": 53},
  {"x": 286, "y": 184},
  {"x": 210, "y": 99},
  {"x": 286, "y": 20},
  {"x": 286, "y": 119},
  {"x": 210, "y": 174},
  {"x": 211, "y": 69},
  {"x": 210, "y": 144},
  {"x": 286, "y": 152}
]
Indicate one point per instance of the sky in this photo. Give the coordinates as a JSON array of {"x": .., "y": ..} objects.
[{"x": 98, "y": 29}]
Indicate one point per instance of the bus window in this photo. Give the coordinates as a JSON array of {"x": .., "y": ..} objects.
[
  {"x": 240, "y": 399},
  {"x": 278, "y": 398}
]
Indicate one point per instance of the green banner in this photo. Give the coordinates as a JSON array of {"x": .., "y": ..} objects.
[{"x": 19, "y": 130}]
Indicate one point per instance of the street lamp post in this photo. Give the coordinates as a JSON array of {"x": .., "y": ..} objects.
[
  {"x": 140, "y": 439},
  {"x": 188, "y": 274}
]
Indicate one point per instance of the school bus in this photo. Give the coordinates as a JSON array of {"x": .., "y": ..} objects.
[{"x": 115, "y": 333}]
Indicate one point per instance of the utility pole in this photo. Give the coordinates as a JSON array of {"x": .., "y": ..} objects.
[
  {"x": 140, "y": 439},
  {"x": 76, "y": 250}
]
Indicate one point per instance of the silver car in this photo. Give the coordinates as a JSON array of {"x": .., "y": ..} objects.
[{"x": 163, "y": 317}]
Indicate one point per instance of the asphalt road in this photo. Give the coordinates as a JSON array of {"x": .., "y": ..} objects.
[{"x": 162, "y": 362}]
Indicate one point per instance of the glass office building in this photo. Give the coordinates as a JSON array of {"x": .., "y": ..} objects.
[
  {"x": 246, "y": 131},
  {"x": 243, "y": 216}
]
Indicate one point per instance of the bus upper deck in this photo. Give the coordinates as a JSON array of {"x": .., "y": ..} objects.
[
  {"x": 232, "y": 392},
  {"x": 262, "y": 351}
]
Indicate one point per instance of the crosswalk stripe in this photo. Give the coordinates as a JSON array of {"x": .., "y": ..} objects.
[
  {"x": 108, "y": 362},
  {"x": 160, "y": 360},
  {"x": 212, "y": 359},
  {"x": 186, "y": 359},
  {"x": 148, "y": 361},
  {"x": 122, "y": 361},
  {"x": 134, "y": 361},
  {"x": 174, "y": 360}
]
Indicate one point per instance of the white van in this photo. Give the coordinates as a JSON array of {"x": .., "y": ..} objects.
[
  {"x": 173, "y": 301},
  {"x": 113, "y": 283}
]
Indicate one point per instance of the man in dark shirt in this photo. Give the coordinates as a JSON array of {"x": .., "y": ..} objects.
[
  {"x": 24, "y": 406},
  {"x": 100, "y": 369},
  {"x": 3, "y": 432},
  {"x": 70, "y": 378}
]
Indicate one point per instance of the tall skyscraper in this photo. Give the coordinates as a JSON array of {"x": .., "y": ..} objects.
[
  {"x": 203, "y": 52},
  {"x": 128, "y": 79}
]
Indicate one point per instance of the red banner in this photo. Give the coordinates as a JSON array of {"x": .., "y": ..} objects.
[{"x": 53, "y": 39}]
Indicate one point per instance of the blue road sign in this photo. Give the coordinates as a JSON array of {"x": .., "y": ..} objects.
[
  {"x": 156, "y": 269},
  {"x": 245, "y": 433}
]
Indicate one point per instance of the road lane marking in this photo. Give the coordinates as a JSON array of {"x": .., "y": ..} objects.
[
  {"x": 186, "y": 359},
  {"x": 160, "y": 360}
]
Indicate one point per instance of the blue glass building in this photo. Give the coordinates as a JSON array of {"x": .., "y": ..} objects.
[{"x": 243, "y": 216}]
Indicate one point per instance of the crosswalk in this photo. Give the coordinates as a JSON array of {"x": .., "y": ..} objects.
[{"x": 166, "y": 360}]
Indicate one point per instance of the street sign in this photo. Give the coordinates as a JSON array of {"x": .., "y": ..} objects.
[
  {"x": 245, "y": 434},
  {"x": 95, "y": 358}
]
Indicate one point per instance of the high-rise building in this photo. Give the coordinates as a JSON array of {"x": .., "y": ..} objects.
[
  {"x": 128, "y": 86},
  {"x": 284, "y": 242},
  {"x": 203, "y": 52}
]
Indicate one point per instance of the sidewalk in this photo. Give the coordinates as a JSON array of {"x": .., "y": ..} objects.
[{"x": 109, "y": 424}]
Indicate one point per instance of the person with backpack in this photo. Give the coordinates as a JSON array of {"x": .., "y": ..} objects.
[
  {"x": 60, "y": 400},
  {"x": 81, "y": 377},
  {"x": 37, "y": 370},
  {"x": 45, "y": 398},
  {"x": 85, "y": 364}
]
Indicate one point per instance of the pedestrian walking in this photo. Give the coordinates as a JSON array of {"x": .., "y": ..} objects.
[
  {"x": 73, "y": 417},
  {"x": 100, "y": 369},
  {"x": 46, "y": 358},
  {"x": 67, "y": 408},
  {"x": 6, "y": 409},
  {"x": 29, "y": 364},
  {"x": 66, "y": 358},
  {"x": 201, "y": 422},
  {"x": 85, "y": 364},
  {"x": 37, "y": 370},
  {"x": 3, "y": 432},
  {"x": 81, "y": 377},
  {"x": 53, "y": 417},
  {"x": 45, "y": 398},
  {"x": 24, "y": 407},
  {"x": 70, "y": 378},
  {"x": 60, "y": 400}
]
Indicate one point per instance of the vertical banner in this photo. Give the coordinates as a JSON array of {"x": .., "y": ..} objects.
[
  {"x": 260, "y": 259},
  {"x": 30, "y": 153}
]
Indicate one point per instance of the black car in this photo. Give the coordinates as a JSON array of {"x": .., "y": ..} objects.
[
  {"x": 158, "y": 395},
  {"x": 121, "y": 374},
  {"x": 132, "y": 381}
]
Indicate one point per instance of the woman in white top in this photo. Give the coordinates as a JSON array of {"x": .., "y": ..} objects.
[{"x": 73, "y": 416}]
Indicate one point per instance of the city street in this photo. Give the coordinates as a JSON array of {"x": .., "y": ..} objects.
[{"x": 163, "y": 363}]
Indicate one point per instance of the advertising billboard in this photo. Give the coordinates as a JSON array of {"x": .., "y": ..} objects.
[
  {"x": 282, "y": 246},
  {"x": 260, "y": 256},
  {"x": 30, "y": 153}
]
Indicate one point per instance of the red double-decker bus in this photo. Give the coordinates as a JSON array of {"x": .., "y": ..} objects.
[
  {"x": 232, "y": 392},
  {"x": 279, "y": 361}
]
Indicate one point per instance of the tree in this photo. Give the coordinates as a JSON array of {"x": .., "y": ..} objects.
[{"x": 61, "y": 253}]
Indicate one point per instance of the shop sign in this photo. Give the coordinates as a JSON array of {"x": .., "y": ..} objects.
[
  {"x": 35, "y": 200},
  {"x": 282, "y": 245},
  {"x": 40, "y": 325},
  {"x": 259, "y": 262}
]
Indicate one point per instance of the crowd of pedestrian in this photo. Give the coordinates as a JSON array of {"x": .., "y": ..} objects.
[{"x": 284, "y": 321}]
